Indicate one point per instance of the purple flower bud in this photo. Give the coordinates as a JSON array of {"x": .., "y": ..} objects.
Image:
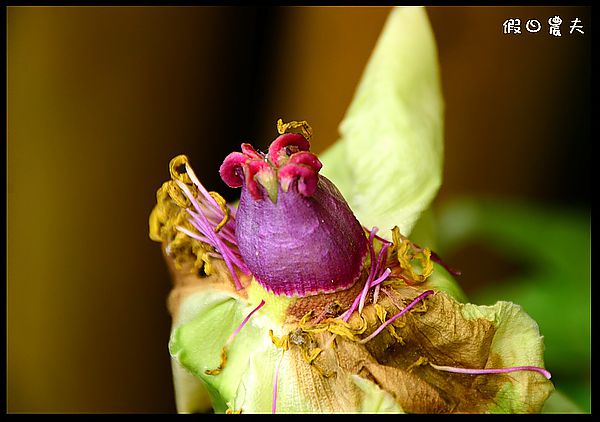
[{"x": 294, "y": 230}]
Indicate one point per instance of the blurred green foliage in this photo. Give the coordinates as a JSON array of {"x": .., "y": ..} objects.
[{"x": 552, "y": 247}]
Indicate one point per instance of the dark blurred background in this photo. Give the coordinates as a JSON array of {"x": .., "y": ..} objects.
[{"x": 101, "y": 98}]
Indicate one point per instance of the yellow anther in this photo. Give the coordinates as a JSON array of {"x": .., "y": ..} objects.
[
  {"x": 419, "y": 362},
  {"x": 176, "y": 165},
  {"x": 280, "y": 343},
  {"x": 301, "y": 127},
  {"x": 406, "y": 252},
  {"x": 223, "y": 205}
]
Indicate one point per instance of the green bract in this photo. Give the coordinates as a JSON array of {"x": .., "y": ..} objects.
[
  {"x": 197, "y": 345},
  {"x": 388, "y": 161},
  {"x": 517, "y": 342}
]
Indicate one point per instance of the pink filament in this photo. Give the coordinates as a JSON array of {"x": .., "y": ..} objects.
[
  {"x": 376, "y": 293},
  {"x": 226, "y": 233},
  {"x": 225, "y": 252},
  {"x": 374, "y": 273},
  {"x": 380, "y": 262},
  {"x": 381, "y": 279},
  {"x": 202, "y": 189},
  {"x": 194, "y": 236},
  {"x": 275, "y": 382},
  {"x": 212, "y": 209},
  {"x": 360, "y": 298},
  {"x": 201, "y": 223},
  {"x": 492, "y": 370},
  {"x": 237, "y": 330},
  {"x": 395, "y": 317},
  {"x": 375, "y": 283}
]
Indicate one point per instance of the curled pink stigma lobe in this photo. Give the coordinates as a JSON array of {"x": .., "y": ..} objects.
[
  {"x": 306, "y": 158},
  {"x": 231, "y": 168},
  {"x": 285, "y": 145},
  {"x": 303, "y": 174},
  {"x": 395, "y": 317},
  {"x": 483, "y": 371},
  {"x": 249, "y": 151}
]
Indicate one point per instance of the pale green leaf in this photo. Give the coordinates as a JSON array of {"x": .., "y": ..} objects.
[
  {"x": 388, "y": 161},
  {"x": 559, "y": 403}
]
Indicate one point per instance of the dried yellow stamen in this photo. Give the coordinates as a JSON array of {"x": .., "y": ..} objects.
[
  {"x": 419, "y": 362},
  {"x": 280, "y": 343},
  {"x": 173, "y": 191},
  {"x": 406, "y": 252},
  {"x": 380, "y": 311},
  {"x": 301, "y": 127},
  {"x": 223, "y": 205},
  {"x": 310, "y": 357},
  {"x": 306, "y": 342},
  {"x": 305, "y": 319},
  {"x": 176, "y": 164},
  {"x": 394, "y": 334},
  {"x": 168, "y": 213},
  {"x": 337, "y": 326},
  {"x": 422, "y": 308},
  {"x": 222, "y": 364},
  {"x": 170, "y": 222},
  {"x": 382, "y": 314}
]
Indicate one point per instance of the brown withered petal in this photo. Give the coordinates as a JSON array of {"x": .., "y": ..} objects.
[{"x": 438, "y": 331}]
